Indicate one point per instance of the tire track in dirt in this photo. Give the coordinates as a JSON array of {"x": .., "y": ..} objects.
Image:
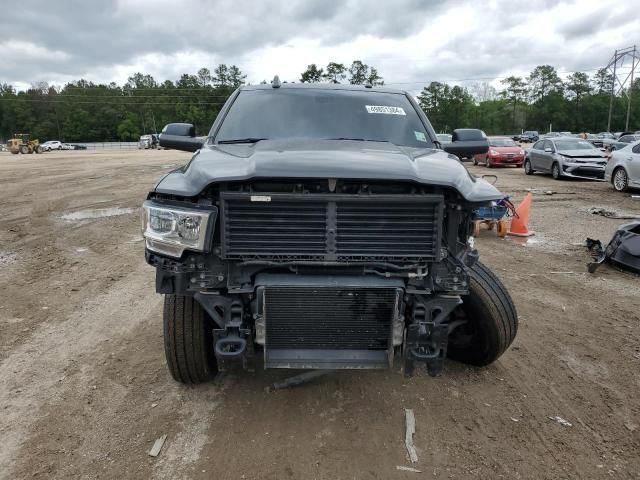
[
  {"x": 30, "y": 371},
  {"x": 182, "y": 451},
  {"x": 572, "y": 379}
]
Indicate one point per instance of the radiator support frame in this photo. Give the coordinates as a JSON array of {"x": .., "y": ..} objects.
[{"x": 303, "y": 356}]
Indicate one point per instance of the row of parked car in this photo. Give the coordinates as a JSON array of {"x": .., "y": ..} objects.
[
  {"x": 569, "y": 156},
  {"x": 144, "y": 142},
  {"x": 50, "y": 145},
  {"x": 607, "y": 140}
]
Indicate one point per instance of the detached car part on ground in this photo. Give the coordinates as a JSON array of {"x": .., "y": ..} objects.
[
  {"x": 623, "y": 250},
  {"x": 322, "y": 227},
  {"x": 566, "y": 157}
]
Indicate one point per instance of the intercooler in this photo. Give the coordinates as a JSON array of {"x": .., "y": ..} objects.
[
  {"x": 331, "y": 227},
  {"x": 328, "y": 322}
]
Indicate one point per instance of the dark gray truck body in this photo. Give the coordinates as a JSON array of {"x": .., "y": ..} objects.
[{"x": 322, "y": 253}]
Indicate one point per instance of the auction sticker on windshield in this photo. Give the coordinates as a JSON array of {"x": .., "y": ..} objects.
[{"x": 385, "y": 110}]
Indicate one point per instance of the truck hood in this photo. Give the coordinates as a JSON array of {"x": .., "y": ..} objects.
[{"x": 338, "y": 159}]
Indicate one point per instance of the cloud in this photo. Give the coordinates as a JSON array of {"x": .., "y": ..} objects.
[
  {"x": 584, "y": 25},
  {"x": 407, "y": 40}
]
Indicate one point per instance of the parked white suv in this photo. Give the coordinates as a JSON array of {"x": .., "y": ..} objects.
[{"x": 51, "y": 145}]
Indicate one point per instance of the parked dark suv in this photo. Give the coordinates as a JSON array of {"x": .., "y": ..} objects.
[
  {"x": 529, "y": 136},
  {"x": 322, "y": 227}
]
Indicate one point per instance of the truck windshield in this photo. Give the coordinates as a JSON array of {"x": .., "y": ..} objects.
[{"x": 323, "y": 114}]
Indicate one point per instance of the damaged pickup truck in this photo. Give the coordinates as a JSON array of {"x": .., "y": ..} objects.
[{"x": 323, "y": 227}]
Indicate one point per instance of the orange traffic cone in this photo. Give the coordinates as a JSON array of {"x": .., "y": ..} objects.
[{"x": 520, "y": 221}]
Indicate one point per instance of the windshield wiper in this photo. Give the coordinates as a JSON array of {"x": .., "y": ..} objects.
[{"x": 242, "y": 140}]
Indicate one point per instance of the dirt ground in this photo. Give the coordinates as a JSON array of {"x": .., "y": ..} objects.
[{"x": 84, "y": 391}]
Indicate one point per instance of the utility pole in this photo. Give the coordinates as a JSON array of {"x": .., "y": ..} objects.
[
  {"x": 621, "y": 76},
  {"x": 55, "y": 109},
  {"x": 153, "y": 117},
  {"x": 633, "y": 67},
  {"x": 613, "y": 88}
]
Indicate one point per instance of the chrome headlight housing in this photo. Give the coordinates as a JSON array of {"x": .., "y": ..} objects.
[{"x": 172, "y": 230}]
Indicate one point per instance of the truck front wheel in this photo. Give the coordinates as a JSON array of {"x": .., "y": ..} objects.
[
  {"x": 188, "y": 344},
  {"x": 491, "y": 320}
]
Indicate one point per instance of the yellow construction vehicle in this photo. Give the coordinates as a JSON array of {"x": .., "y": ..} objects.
[{"x": 22, "y": 143}]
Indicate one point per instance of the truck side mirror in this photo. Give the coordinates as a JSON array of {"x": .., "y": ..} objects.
[
  {"x": 180, "y": 136},
  {"x": 467, "y": 142}
]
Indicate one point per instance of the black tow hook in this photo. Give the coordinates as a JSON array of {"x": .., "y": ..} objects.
[{"x": 230, "y": 347}]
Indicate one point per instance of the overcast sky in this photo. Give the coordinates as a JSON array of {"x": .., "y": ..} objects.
[{"x": 411, "y": 42}]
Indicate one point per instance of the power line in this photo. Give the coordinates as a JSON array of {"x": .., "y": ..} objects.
[
  {"x": 62, "y": 95},
  {"x": 46, "y": 100},
  {"x": 123, "y": 99},
  {"x": 413, "y": 82},
  {"x": 483, "y": 78},
  {"x": 139, "y": 89}
]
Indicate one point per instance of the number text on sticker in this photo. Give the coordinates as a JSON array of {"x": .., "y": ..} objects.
[{"x": 385, "y": 110}]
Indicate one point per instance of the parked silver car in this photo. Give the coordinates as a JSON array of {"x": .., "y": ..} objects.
[
  {"x": 51, "y": 145},
  {"x": 623, "y": 170},
  {"x": 622, "y": 142},
  {"x": 566, "y": 157},
  {"x": 444, "y": 138},
  {"x": 144, "y": 142}
]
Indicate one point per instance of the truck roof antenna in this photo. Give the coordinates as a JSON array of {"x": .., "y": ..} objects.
[{"x": 275, "y": 83}]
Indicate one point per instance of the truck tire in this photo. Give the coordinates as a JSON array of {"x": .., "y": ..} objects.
[
  {"x": 492, "y": 320},
  {"x": 188, "y": 344},
  {"x": 24, "y": 149}
]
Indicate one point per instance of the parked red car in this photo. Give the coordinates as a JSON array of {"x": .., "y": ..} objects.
[{"x": 502, "y": 152}]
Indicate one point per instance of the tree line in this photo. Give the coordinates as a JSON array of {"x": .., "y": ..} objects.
[
  {"x": 540, "y": 101},
  {"x": 358, "y": 73},
  {"x": 83, "y": 111}
]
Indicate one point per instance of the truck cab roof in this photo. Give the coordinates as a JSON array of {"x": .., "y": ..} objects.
[{"x": 325, "y": 86}]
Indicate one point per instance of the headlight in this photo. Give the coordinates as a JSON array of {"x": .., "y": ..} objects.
[
  {"x": 521, "y": 152},
  {"x": 172, "y": 230},
  {"x": 494, "y": 152}
]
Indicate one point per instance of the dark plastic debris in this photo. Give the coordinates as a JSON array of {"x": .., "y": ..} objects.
[{"x": 623, "y": 250}]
